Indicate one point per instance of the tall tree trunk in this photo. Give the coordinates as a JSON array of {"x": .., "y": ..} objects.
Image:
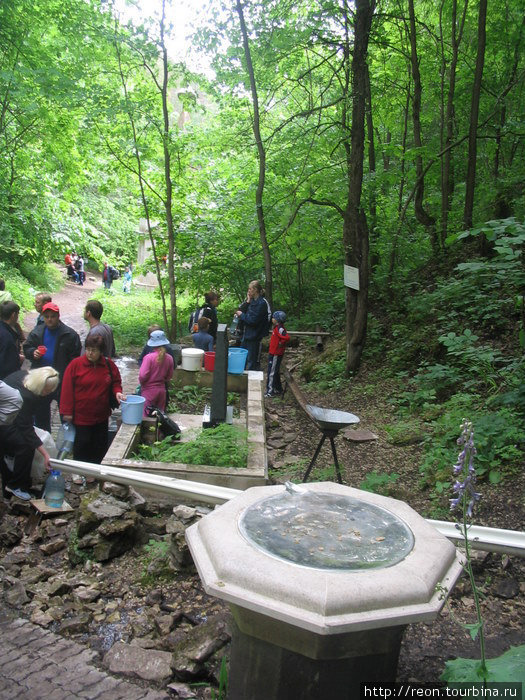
[
  {"x": 474, "y": 113},
  {"x": 422, "y": 215},
  {"x": 395, "y": 237},
  {"x": 374, "y": 258},
  {"x": 355, "y": 228},
  {"x": 447, "y": 172},
  {"x": 168, "y": 183},
  {"x": 140, "y": 177},
  {"x": 261, "y": 152}
]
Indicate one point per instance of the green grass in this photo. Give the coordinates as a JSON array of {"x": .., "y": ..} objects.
[{"x": 223, "y": 446}]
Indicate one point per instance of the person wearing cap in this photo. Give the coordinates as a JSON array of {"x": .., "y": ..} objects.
[
  {"x": 156, "y": 369},
  {"x": 53, "y": 344},
  {"x": 173, "y": 350},
  {"x": 278, "y": 341}
]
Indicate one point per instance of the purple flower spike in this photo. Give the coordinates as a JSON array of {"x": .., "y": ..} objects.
[{"x": 464, "y": 490}]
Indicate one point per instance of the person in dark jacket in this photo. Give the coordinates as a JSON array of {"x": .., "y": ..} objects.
[
  {"x": 19, "y": 439},
  {"x": 256, "y": 324},
  {"x": 40, "y": 299},
  {"x": 209, "y": 310},
  {"x": 55, "y": 344},
  {"x": 10, "y": 357}
]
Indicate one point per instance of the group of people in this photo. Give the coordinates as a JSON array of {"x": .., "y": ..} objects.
[
  {"x": 85, "y": 382},
  {"x": 76, "y": 273},
  {"x": 255, "y": 319},
  {"x": 75, "y": 267}
]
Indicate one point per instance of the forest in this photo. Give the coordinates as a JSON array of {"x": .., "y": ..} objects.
[{"x": 383, "y": 136}]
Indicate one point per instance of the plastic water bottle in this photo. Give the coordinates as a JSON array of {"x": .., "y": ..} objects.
[
  {"x": 65, "y": 440},
  {"x": 112, "y": 428},
  {"x": 234, "y": 326},
  {"x": 54, "y": 491}
]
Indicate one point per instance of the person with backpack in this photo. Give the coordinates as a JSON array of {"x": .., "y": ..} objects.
[
  {"x": 257, "y": 320},
  {"x": 209, "y": 310},
  {"x": 109, "y": 274}
]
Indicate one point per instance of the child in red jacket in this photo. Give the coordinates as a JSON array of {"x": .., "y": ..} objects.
[{"x": 278, "y": 342}]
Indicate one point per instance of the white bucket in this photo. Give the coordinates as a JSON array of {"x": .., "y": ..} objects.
[{"x": 192, "y": 359}]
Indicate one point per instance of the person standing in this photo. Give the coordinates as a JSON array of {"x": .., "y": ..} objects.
[
  {"x": 278, "y": 343},
  {"x": 209, "y": 310},
  {"x": 79, "y": 269},
  {"x": 55, "y": 344},
  {"x": 4, "y": 294},
  {"x": 40, "y": 299},
  {"x": 109, "y": 274},
  {"x": 256, "y": 320},
  {"x": 90, "y": 381},
  {"x": 126, "y": 281},
  {"x": 155, "y": 371},
  {"x": 10, "y": 350},
  {"x": 92, "y": 314}
]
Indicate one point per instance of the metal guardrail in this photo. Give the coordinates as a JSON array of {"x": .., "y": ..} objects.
[{"x": 487, "y": 539}]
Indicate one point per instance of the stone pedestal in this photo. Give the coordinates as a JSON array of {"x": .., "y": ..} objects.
[{"x": 260, "y": 670}]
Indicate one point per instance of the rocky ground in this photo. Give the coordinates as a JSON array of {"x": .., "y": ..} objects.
[{"x": 116, "y": 576}]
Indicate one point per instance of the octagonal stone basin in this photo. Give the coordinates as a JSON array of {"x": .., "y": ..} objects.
[{"x": 325, "y": 559}]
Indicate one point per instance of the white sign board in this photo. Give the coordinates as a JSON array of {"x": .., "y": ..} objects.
[{"x": 351, "y": 277}]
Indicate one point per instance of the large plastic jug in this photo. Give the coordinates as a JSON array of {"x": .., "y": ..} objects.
[
  {"x": 65, "y": 440},
  {"x": 54, "y": 490}
]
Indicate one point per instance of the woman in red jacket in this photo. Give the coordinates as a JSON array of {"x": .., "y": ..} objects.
[{"x": 88, "y": 382}]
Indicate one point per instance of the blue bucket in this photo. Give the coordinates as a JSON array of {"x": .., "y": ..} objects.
[
  {"x": 237, "y": 360},
  {"x": 132, "y": 409}
]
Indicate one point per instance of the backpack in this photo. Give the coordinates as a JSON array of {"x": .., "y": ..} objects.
[
  {"x": 114, "y": 273},
  {"x": 193, "y": 324}
]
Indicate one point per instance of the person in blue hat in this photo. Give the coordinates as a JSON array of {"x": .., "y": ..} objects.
[
  {"x": 155, "y": 371},
  {"x": 278, "y": 342}
]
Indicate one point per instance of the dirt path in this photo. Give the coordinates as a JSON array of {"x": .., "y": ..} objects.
[{"x": 71, "y": 300}]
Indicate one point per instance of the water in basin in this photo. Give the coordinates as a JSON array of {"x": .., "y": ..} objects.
[{"x": 326, "y": 531}]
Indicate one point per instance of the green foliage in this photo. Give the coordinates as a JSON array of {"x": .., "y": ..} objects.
[
  {"x": 23, "y": 283},
  {"x": 507, "y": 668},
  {"x": 405, "y": 432},
  {"x": 222, "y": 692},
  {"x": 156, "y": 561},
  {"x": 77, "y": 556},
  {"x": 130, "y": 314},
  {"x": 191, "y": 397},
  {"x": 379, "y": 482},
  {"x": 223, "y": 446}
]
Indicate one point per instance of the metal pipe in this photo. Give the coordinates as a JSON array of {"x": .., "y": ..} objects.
[
  {"x": 206, "y": 493},
  {"x": 487, "y": 539}
]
